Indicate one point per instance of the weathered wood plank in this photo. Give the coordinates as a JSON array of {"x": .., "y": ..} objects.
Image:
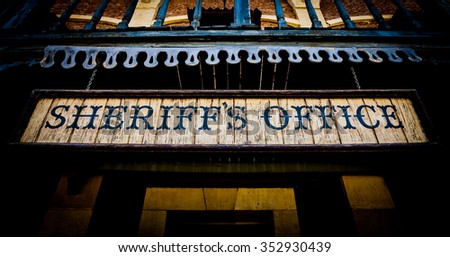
[
  {"x": 121, "y": 134},
  {"x": 60, "y": 134},
  {"x": 323, "y": 126},
  {"x": 241, "y": 133},
  {"x": 37, "y": 120},
  {"x": 136, "y": 136},
  {"x": 100, "y": 135},
  {"x": 349, "y": 128},
  {"x": 165, "y": 132},
  {"x": 226, "y": 134},
  {"x": 256, "y": 129},
  {"x": 384, "y": 133},
  {"x": 88, "y": 135},
  {"x": 150, "y": 135},
  {"x": 187, "y": 135},
  {"x": 176, "y": 122},
  {"x": 206, "y": 128},
  {"x": 296, "y": 133},
  {"x": 274, "y": 135},
  {"x": 412, "y": 127}
]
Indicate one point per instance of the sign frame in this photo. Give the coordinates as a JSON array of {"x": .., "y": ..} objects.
[{"x": 411, "y": 94}]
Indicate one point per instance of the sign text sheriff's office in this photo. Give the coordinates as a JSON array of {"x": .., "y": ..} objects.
[{"x": 224, "y": 120}]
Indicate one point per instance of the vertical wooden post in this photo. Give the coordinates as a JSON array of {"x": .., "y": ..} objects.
[{"x": 372, "y": 206}]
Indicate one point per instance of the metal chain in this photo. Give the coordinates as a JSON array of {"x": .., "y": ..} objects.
[
  {"x": 355, "y": 77},
  {"x": 91, "y": 79}
]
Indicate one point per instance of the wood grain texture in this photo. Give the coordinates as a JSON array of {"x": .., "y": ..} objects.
[{"x": 225, "y": 121}]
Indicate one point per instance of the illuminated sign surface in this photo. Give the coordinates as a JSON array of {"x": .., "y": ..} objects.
[{"x": 293, "y": 118}]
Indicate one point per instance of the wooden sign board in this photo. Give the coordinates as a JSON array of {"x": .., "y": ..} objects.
[{"x": 224, "y": 119}]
